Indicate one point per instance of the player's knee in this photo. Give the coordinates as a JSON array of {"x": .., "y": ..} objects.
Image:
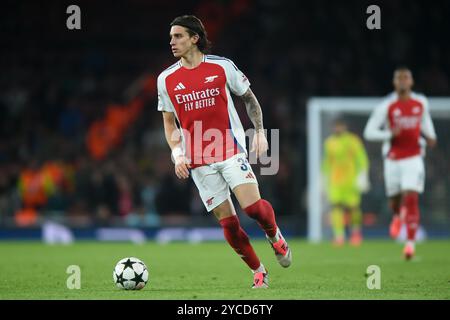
[
  {"x": 223, "y": 210},
  {"x": 258, "y": 207}
]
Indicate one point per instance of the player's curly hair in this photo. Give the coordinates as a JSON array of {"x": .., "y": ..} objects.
[{"x": 194, "y": 26}]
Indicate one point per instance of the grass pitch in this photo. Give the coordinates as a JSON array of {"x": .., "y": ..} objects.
[{"x": 213, "y": 271}]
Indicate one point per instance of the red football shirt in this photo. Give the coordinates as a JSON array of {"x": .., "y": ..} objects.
[
  {"x": 405, "y": 115},
  {"x": 410, "y": 116},
  {"x": 201, "y": 101}
]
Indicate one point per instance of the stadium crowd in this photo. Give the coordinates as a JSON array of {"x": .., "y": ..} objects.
[{"x": 80, "y": 137}]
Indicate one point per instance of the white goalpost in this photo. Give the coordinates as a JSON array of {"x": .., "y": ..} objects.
[{"x": 320, "y": 113}]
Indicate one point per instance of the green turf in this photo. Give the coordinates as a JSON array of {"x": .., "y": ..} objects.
[{"x": 213, "y": 271}]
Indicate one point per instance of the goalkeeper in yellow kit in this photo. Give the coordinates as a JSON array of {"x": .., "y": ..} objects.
[{"x": 345, "y": 168}]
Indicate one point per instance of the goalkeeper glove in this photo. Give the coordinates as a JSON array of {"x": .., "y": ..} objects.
[{"x": 363, "y": 182}]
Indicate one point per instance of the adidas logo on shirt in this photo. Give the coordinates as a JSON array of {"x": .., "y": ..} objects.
[
  {"x": 250, "y": 176},
  {"x": 179, "y": 86}
]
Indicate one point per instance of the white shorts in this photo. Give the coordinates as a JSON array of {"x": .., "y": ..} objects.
[
  {"x": 405, "y": 174},
  {"x": 215, "y": 180}
]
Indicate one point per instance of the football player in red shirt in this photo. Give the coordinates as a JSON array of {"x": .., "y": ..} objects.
[
  {"x": 400, "y": 121},
  {"x": 209, "y": 146}
]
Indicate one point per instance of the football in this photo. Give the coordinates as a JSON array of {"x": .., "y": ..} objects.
[{"x": 130, "y": 274}]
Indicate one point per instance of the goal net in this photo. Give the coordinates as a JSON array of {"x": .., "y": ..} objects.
[{"x": 434, "y": 202}]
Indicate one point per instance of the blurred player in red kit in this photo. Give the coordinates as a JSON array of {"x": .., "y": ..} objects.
[
  {"x": 209, "y": 146},
  {"x": 402, "y": 121}
]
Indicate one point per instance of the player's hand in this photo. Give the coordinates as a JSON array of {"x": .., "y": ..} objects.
[
  {"x": 396, "y": 131},
  {"x": 259, "y": 144},
  {"x": 431, "y": 142},
  {"x": 363, "y": 182},
  {"x": 182, "y": 167}
]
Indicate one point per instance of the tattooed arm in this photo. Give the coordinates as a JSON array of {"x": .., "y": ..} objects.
[
  {"x": 259, "y": 144},
  {"x": 253, "y": 109}
]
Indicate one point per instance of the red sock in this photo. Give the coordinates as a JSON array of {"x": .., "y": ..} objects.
[
  {"x": 238, "y": 240},
  {"x": 410, "y": 206},
  {"x": 262, "y": 212}
]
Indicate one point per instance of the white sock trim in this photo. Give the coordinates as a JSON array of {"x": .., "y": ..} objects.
[
  {"x": 260, "y": 269},
  {"x": 276, "y": 238}
]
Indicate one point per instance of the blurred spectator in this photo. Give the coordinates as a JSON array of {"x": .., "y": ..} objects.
[
  {"x": 173, "y": 199},
  {"x": 35, "y": 185}
]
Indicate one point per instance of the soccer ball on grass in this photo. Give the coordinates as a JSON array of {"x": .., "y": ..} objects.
[{"x": 130, "y": 274}]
